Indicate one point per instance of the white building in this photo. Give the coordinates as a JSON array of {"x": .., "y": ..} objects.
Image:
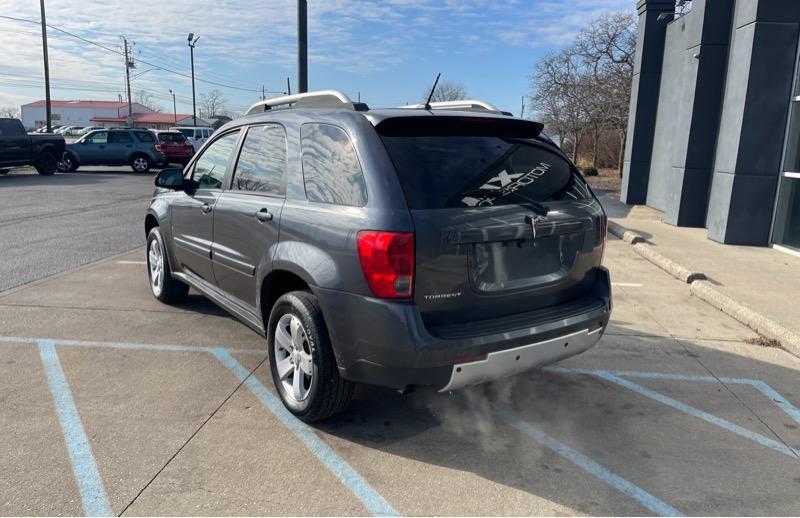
[{"x": 101, "y": 113}]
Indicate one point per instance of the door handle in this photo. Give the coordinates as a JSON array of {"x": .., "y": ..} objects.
[
  {"x": 263, "y": 216},
  {"x": 206, "y": 208}
]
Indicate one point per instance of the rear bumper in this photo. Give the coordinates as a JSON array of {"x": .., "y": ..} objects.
[{"x": 386, "y": 343}]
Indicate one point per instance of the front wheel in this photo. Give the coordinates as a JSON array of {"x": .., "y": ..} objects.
[
  {"x": 301, "y": 359},
  {"x": 67, "y": 164},
  {"x": 46, "y": 164},
  {"x": 162, "y": 285},
  {"x": 140, "y": 164}
]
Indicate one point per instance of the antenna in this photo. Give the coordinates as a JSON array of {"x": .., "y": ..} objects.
[{"x": 433, "y": 89}]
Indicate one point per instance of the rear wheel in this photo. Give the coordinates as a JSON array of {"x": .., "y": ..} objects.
[
  {"x": 140, "y": 164},
  {"x": 46, "y": 164},
  {"x": 302, "y": 361},
  {"x": 162, "y": 285}
]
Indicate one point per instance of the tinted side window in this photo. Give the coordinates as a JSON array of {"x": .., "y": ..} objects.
[
  {"x": 10, "y": 128},
  {"x": 145, "y": 136},
  {"x": 121, "y": 137},
  {"x": 209, "y": 170},
  {"x": 99, "y": 137},
  {"x": 331, "y": 170},
  {"x": 262, "y": 161}
]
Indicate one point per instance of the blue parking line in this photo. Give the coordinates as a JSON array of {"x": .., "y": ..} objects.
[
  {"x": 620, "y": 484},
  {"x": 372, "y": 500},
  {"x": 126, "y": 345},
  {"x": 93, "y": 494},
  {"x": 705, "y": 416}
]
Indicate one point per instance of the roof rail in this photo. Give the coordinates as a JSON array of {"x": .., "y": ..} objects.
[
  {"x": 320, "y": 99},
  {"x": 465, "y": 105}
]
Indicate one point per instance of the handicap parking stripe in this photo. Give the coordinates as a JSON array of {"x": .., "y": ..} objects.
[
  {"x": 372, "y": 500},
  {"x": 620, "y": 484},
  {"x": 93, "y": 494}
]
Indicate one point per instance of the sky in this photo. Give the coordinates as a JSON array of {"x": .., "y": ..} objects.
[{"x": 389, "y": 51}]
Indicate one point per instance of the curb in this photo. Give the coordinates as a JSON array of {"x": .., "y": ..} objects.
[
  {"x": 705, "y": 291},
  {"x": 678, "y": 271}
]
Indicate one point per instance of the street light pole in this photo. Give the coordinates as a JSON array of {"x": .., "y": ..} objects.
[
  {"x": 192, "y": 43},
  {"x": 128, "y": 82},
  {"x": 174, "y": 107},
  {"x": 46, "y": 69},
  {"x": 302, "y": 46}
]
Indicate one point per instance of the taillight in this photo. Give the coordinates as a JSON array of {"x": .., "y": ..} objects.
[
  {"x": 387, "y": 259},
  {"x": 604, "y": 236},
  {"x": 158, "y": 147}
]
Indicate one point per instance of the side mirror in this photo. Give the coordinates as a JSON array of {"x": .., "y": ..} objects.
[
  {"x": 83, "y": 142},
  {"x": 170, "y": 179}
]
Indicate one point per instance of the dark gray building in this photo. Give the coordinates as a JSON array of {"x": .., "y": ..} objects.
[{"x": 714, "y": 128}]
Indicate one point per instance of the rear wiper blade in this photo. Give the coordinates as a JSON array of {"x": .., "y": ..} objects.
[{"x": 537, "y": 207}]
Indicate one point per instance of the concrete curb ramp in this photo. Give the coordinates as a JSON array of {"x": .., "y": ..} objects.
[{"x": 704, "y": 290}]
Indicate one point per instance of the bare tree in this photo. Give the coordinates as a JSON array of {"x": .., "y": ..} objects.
[
  {"x": 11, "y": 112},
  {"x": 447, "y": 91},
  {"x": 146, "y": 100},
  {"x": 585, "y": 89},
  {"x": 213, "y": 104}
]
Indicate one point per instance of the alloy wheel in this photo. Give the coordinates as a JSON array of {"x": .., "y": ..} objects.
[{"x": 293, "y": 359}]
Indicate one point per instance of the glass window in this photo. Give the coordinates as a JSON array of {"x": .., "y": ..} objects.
[
  {"x": 262, "y": 161},
  {"x": 98, "y": 137},
  {"x": 331, "y": 170},
  {"x": 171, "y": 137},
  {"x": 188, "y": 133},
  {"x": 479, "y": 171},
  {"x": 10, "y": 127},
  {"x": 145, "y": 136},
  {"x": 120, "y": 137},
  {"x": 787, "y": 224},
  {"x": 209, "y": 169}
]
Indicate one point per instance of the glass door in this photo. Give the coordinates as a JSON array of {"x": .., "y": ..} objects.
[{"x": 786, "y": 227}]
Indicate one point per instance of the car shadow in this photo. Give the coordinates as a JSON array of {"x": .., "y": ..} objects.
[{"x": 636, "y": 437}]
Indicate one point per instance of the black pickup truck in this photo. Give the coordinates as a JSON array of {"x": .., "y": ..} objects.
[{"x": 18, "y": 148}]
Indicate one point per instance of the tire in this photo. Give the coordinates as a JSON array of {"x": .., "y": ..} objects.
[
  {"x": 324, "y": 393},
  {"x": 140, "y": 163},
  {"x": 47, "y": 164},
  {"x": 67, "y": 164},
  {"x": 163, "y": 286},
  {"x": 4, "y": 171}
]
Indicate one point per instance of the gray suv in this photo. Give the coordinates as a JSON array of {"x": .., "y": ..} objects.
[
  {"x": 444, "y": 245},
  {"x": 138, "y": 148}
]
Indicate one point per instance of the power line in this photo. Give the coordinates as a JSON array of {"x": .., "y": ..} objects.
[{"x": 115, "y": 51}]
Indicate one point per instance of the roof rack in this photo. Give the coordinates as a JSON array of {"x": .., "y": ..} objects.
[
  {"x": 464, "y": 105},
  {"x": 320, "y": 99}
]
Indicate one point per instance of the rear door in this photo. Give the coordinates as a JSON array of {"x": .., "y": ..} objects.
[
  {"x": 120, "y": 146},
  {"x": 192, "y": 212},
  {"x": 247, "y": 217},
  {"x": 503, "y": 222}
]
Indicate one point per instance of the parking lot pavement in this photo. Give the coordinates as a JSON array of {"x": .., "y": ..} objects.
[
  {"x": 49, "y": 224},
  {"x": 113, "y": 403}
]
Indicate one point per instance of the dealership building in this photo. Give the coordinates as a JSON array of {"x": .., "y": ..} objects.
[
  {"x": 101, "y": 113},
  {"x": 714, "y": 128}
]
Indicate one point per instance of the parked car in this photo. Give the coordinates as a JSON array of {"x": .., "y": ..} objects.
[
  {"x": 197, "y": 135},
  {"x": 175, "y": 147},
  {"x": 73, "y": 131},
  {"x": 400, "y": 247},
  {"x": 18, "y": 148},
  {"x": 87, "y": 129},
  {"x": 62, "y": 130},
  {"x": 135, "y": 147}
]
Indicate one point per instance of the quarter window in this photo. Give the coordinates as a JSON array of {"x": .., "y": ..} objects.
[
  {"x": 209, "y": 170},
  {"x": 262, "y": 161},
  {"x": 120, "y": 137},
  {"x": 145, "y": 136},
  {"x": 331, "y": 170}
]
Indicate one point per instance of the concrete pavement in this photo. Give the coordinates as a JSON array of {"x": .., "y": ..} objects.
[
  {"x": 759, "y": 278},
  {"x": 671, "y": 414}
]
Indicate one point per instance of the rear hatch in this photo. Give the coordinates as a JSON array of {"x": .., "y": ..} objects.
[
  {"x": 174, "y": 144},
  {"x": 504, "y": 224}
]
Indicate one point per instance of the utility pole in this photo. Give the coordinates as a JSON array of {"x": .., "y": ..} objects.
[
  {"x": 46, "y": 69},
  {"x": 128, "y": 66},
  {"x": 288, "y": 87},
  {"x": 192, "y": 43},
  {"x": 174, "y": 107},
  {"x": 302, "y": 46},
  {"x": 522, "y": 111},
  {"x": 263, "y": 92}
]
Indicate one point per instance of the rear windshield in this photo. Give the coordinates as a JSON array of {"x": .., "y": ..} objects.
[
  {"x": 187, "y": 132},
  {"x": 171, "y": 137},
  {"x": 450, "y": 171}
]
